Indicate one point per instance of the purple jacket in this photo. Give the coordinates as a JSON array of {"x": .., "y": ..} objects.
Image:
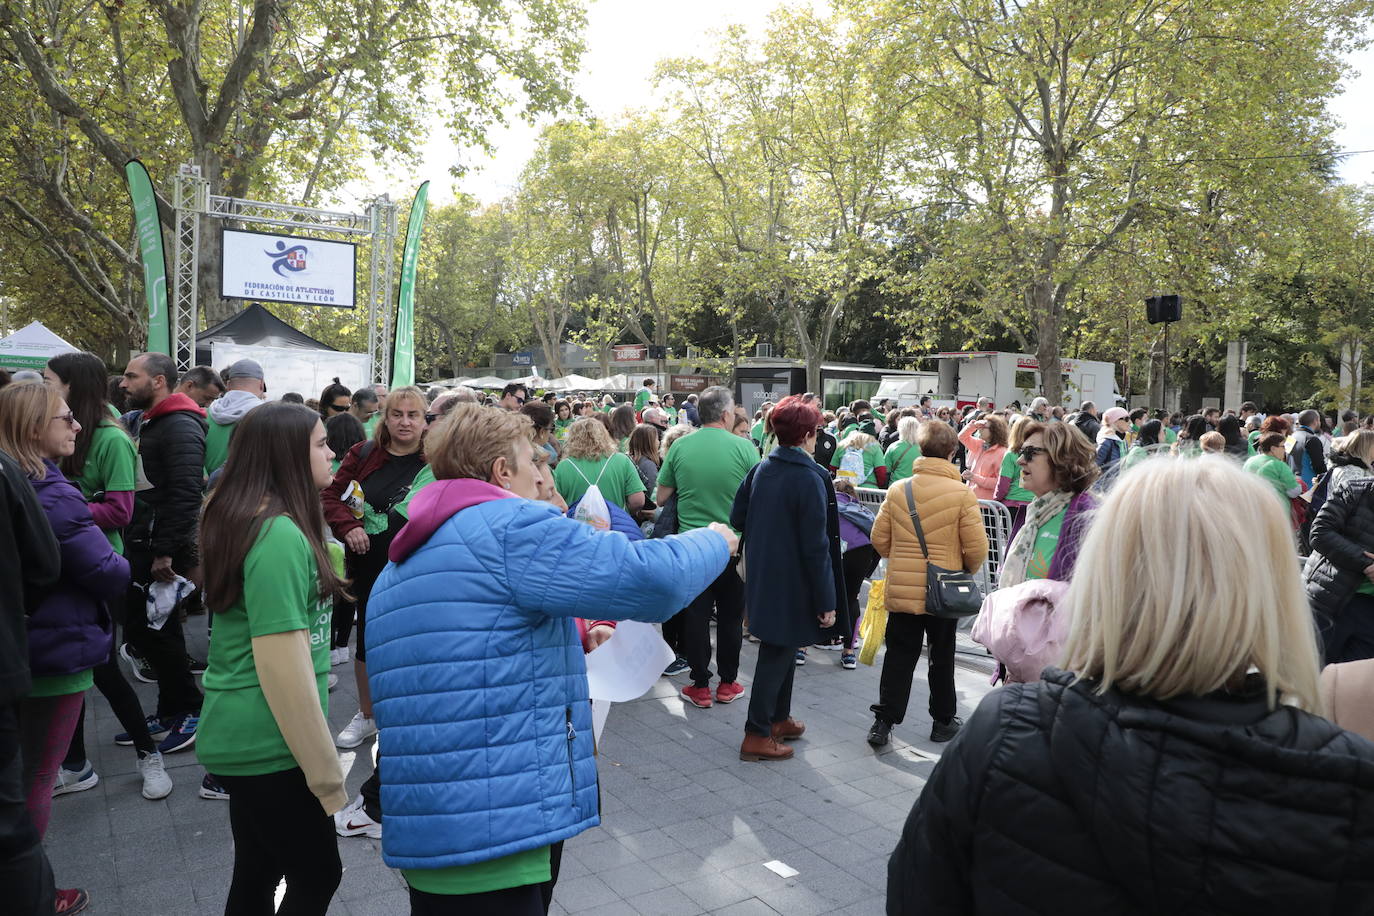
[
  {"x": 71, "y": 629},
  {"x": 1076, "y": 522},
  {"x": 852, "y": 535}
]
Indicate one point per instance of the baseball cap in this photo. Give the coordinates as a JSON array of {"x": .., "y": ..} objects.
[{"x": 244, "y": 368}]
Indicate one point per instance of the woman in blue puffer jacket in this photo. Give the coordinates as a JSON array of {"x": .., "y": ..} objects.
[{"x": 478, "y": 680}]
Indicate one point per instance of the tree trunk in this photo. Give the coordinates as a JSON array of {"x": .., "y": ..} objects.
[{"x": 1047, "y": 342}]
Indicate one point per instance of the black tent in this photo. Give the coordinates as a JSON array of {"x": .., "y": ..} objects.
[{"x": 254, "y": 325}]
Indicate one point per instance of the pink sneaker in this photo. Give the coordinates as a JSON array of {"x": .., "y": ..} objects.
[
  {"x": 728, "y": 691},
  {"x": 697, "y": 696}
]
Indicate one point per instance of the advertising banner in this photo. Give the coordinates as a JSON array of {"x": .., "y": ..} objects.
[
  {"x": 150, "y": 250},
  {"x": 269, "y": 267},
  {"x": 629, "y": 353},
  {"x": 403, "y": 356}
]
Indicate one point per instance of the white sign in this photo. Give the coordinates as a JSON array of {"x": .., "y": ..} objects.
[
  {"x": 306, "y": 372},
  {"x": 284, "y": 268},
  {"x": 625, "y": 666}
]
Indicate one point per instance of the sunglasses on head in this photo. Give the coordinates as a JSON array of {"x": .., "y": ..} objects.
[
  {"x": 1028, "y": 452},
  {"x": 336, "y": 408}
]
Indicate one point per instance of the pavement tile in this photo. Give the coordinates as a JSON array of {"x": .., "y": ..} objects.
[
  {"x": 578, "y": 895},
  {"x": 632, "y": 880},
  {"x": 670, "y": 901},
  {"x": 711, "y": 892}
]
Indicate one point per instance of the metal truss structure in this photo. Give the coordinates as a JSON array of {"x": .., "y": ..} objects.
[{"x": 193, "y": 203}]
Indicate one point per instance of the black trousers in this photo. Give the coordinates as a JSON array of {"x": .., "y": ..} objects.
[
  {"x": 726, "y": 595},
  {"x": 674, "y": 632},
  {"x": 341, "y": 621},
  {"x": 1350, "y": 637},
  {"x": 363, "y": 570},
  {"x": 279, "y": 831},
  {"x": 25, "y": 873},
  {"x": 164, "y": 649},
  {"x": 770, "y": 697},
  {"x": 905, "y": 635},
  {"x": 858, "y": 565},
  {"x": 110, "y": 681},
  {"x": 526, "y": 900}
]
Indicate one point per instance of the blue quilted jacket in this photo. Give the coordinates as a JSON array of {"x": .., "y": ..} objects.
[{"x": 478, "y": 680}]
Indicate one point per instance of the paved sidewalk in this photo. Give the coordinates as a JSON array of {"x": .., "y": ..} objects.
[{"x": 686, "y": 826}]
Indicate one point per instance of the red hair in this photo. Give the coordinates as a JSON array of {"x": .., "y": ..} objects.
[{"x": 794, "y": 419}]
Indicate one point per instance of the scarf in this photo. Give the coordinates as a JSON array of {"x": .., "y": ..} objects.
[{"x": 1040, "y": 511}]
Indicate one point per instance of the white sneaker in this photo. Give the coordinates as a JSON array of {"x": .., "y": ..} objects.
[
  {"x": 358, "y": 730},
  {"x": 353, "y": 821},
  {"x": 333, "y": 680},
  {"x": 69, "y": 781},
  {"x": 156, "y": 783},
  {"x": 338, "y": 656}
]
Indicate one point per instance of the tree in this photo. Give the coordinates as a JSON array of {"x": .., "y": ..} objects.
[
  {"x": 1063, "y": 125},
  {"x": 255, "y": 101}
]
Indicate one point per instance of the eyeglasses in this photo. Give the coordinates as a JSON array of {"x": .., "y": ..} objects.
[
  {"x": 431, "y": 417},
  {"x": 69, "y": 418},
  {"x": 337, "y": 408},
  {"x": 1028, "y": 452}
]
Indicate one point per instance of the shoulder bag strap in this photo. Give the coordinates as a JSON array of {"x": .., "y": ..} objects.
[{"x": 915, "y": 518}]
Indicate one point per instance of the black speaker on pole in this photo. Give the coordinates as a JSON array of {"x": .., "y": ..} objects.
[{"x": 1163, "y": 309}]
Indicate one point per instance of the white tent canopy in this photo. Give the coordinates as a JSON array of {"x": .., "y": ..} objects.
[
  {"x": 31, "y": 347},
  {"x": 487, "y": 381}
]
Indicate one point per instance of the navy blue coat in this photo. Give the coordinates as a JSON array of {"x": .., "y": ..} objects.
[{"x": 787, "y": 512}]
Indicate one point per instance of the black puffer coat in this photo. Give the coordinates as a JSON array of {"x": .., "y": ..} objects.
[
  {"x": 171, "y": 454},
  {"x": 1054, "y": 800},
  {"x": 1342, "y": 531}
]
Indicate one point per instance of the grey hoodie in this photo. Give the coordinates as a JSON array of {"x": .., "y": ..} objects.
[{"x": 231, "y": 407}]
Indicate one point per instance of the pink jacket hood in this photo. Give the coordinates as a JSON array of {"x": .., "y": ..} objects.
[{"x": 437, "y": 503}]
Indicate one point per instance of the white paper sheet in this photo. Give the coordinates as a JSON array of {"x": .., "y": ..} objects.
[
  {"x": 625, "y": 666},
  {"x": 600, "y": 710}
]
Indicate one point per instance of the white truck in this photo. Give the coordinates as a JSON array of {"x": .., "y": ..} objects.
[{"x": 963, "y": 378}]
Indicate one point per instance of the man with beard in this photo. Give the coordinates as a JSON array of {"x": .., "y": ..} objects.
[{"x": 160, "y": 542}]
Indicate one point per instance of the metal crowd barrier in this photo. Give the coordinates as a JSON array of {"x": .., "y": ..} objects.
[{"x": 996, "y": 520}]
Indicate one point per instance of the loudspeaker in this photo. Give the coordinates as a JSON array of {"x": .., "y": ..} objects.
[{"x": 1163, "y": 309}]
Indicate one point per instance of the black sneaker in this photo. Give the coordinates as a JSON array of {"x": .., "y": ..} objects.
[
  {"x": 944, "y": 731},
  {"x": 142, "y": 670},
  {"x": 880, "y": 733},
  {"x": 213, "y": 789},
  {"x": 678, "y": 666},
  {"x": 196, "y": 665}
]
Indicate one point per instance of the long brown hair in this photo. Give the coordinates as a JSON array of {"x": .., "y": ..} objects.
[
  {"x": 268, "y": 473},
  {"x": 644, "y": 443},
  {"x": 87, "y": 396},
  {"x": 26, "y": 409}
]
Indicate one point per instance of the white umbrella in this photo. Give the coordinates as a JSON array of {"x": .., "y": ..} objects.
[{"x": 487, "y": 381}]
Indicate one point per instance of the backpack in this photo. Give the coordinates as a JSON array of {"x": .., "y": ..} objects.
[
  {"x": 852, "y": 466},
  {"x": 858, "y": 515},
  {"x": 620, "y": 520}
]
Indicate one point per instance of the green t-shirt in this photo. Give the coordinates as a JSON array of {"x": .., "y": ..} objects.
[
  {"x": 1276, "y": 472},
  {"x": 899, "y": 459},
  {"x": 422, "y": 480},
  {"x": 109, "y": 468},
  {"x": 1137, "y": 454},
  {"x": 61, "y": 685},
  {"x": 1170, "y": 436},
  {"x": 515, "y": 870},
  {"x": 706, "y": 468},
  {"x": 370, "y": 426},
  {"x": 615, "y": 476},
  {"x": 216, "y": 445},
  {"x": 1046, "y": 542},
  {"x": 756, "y": 432},
  {"x": 1015, "y": 493},
  {"x": 238, "y": 735},
  {"x": 560, "y": 428},
  {"x": 642, "y": 399},
  {"x": 672, "y": 415}
]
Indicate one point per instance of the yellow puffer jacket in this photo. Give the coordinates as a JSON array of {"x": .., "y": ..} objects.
[{"x": 953, "y": 527}]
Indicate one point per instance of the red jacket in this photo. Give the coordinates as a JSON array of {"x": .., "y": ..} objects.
[{"x": 353, "y": 467}]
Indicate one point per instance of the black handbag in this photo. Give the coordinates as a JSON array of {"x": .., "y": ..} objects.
[{"x": 950, "y": 593}]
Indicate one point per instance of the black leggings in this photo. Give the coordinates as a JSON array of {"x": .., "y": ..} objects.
[
  {"x": 279, "y": 831},
  {"x": 526, "y": 900},
  {"x": 363, "y": 571},
  {"x": 858, "y": 565},
  {"x": 109, "y": 680}
]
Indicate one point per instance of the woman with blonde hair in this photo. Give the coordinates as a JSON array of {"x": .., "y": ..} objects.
[
  {"x": 592, "y": 458},
  {"x": 859, "y": 459},
  {"x": 373, "y": 478},
  {"x": 1183, "y": 732},
  {"x": 901, "y": 455}
]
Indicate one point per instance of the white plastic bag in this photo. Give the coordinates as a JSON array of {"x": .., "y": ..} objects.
[{"x": 592, "y": 509}]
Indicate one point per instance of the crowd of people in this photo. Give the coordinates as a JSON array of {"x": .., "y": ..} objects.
[{"x": 411, "y": 533}]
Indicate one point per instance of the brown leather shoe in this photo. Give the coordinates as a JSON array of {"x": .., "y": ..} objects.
[
  {"x": 757, "y": 747},
  {"x": 788, "y": 729}
]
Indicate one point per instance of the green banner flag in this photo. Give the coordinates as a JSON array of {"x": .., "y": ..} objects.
[
  {"x": 403, "y": 356},
  {"x": 150, "y": 248}
]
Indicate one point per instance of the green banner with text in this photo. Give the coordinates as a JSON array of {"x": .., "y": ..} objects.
[
  {"x": 150, "y": 248},
  {"x": 403, "y": 356}
]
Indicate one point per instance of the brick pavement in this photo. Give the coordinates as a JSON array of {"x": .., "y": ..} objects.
[{"x": 686, "y": 826}]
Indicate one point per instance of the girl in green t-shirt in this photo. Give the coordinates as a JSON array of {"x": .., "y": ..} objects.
[
  {"x": 592, "y": 458},
  {"x": 269, "y": 581}
]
